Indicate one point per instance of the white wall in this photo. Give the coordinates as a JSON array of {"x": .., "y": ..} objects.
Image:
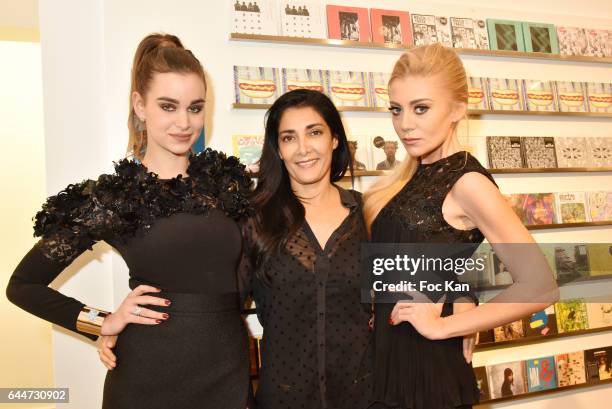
[{"x": 87, "y": 52}]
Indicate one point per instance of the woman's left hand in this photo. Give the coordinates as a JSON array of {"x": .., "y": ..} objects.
[{"x": 423, "y": 314}]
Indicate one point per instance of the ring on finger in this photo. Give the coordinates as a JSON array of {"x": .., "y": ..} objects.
[{"x": 137, "y": 310}]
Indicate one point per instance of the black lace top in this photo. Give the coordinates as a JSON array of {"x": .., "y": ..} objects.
[
  {"x": 178, "y": 234},
  {"x": 412, "y": 372}
]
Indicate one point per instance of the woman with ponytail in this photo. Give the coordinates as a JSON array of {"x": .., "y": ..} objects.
[
  {"x": 442, "y": 194},
  {"x": 173, "y": 216}
]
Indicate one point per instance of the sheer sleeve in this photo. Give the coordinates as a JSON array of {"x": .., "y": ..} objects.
[{"x": 245, "y": 268}]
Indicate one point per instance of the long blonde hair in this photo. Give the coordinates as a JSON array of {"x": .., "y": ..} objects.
[
  {"x": 423, "y": 61},
  {"x": 156, "y": 53}
]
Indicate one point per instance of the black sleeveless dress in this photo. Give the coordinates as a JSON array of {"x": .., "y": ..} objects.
[
  {"x": 180, "y": 235},
  {"x": 411, "y": 371}
]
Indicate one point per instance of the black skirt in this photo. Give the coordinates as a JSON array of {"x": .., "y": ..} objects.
[{"x": 198, "y": 358}]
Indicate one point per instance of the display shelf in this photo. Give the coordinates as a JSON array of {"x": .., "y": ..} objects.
[
  {"x": 401, "y": 47},
  {"x": 550, "y": 170},
  {"x": 567, "y": 225},
  {"x": 472, "y": 112}
]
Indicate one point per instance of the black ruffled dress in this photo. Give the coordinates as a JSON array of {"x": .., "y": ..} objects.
[
  {"x": 180, "y": 235},
  {"x": 411, "y": 371}
]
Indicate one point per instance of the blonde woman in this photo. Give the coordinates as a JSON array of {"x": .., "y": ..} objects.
[{"x": 441, "y": 194}]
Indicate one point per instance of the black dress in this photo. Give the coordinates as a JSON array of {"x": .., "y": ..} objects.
[
  {"x": 180, "y": 235},
  {"x": 316, "y": 348},
  {"x": 410, "y": 371}
]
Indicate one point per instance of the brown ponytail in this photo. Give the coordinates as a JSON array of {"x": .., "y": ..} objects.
[{"x": 156, "y": 53}]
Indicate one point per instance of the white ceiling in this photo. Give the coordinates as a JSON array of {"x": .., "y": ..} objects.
[{"x": 19, "y": 13}]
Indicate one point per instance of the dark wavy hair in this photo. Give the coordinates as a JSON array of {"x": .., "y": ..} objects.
[{"x": 279, "y": 212}]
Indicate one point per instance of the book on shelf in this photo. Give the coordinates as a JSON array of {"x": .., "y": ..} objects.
[
  {"x": 379, "y": 90},
  {"x": 348, "y": 88},
  {"x": 600, "y": 259},
  {"x": 509, "y": 332},
  {"x": 570, "y": 368},
  {"x": 505, "y": 152},
  {"x": 539, "y": 152},
  {"x": 600, "y": 206},
  {"x": 478, "y": 96},
  {"x": 429, "y": 29},
  {"x": 257, "y": 17},
  {"x": 500, "y": 273},
  {"x": 571, "y": 96},
  {"x": 256, "y": 85},
  {"x": 599, "y": 42},
  {"x": 486, "y": 337},
  {"x": 540, "y": 96},
  {"x": 541, "y": 323},
  {"x": 599, "y": 151},
  {"x": 571, "y": 152},
  {"x": 541, "y": 374},
  {"x": 506, "y": 94},
  {"x": 507, "y": 379},
  {"x": 304, "y": 19},
  {"x": 248, "y": 149},
  {"x": 469, "y": 33},
  {"x": 540, "y": 38},
  {"x": 482, "y": 382},
  {"x": 506, "y": 35},
  {"x": 359, "y": 146},
  {"x": 572, "y": 41},
  {"x": 296, "y": 78},
  {"x": 386, "y": 152},
  {"x": 571, "y": 207},
  {"x": 533, "y": 208},
  {"x": 348, "y": 23},
  {"x": 571, "y": 262},
  {"x": 599, "y": 95},
  {"x": 571, "y": 316},
  {"x": 478, "y": 278},
  {"x": 598, "y": 363},
  {"x": 390, "y": 26},
  {"x": 599, "y": 311}
]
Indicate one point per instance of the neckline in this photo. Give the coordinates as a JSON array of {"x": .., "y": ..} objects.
[
  {"x": 146, "y": 170},
  {"x": 442, "y": 160}
]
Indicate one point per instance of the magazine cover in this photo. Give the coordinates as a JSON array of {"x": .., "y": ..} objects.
[
  {"x": 541, "y": 374},
  {"x": 600, "y": 42},
  {"x": 599, "y": 152},
  {"x": 295, "y": 78},
  {"x": 600, "y": 259},
  {"x": 599, "y": 309},
  {"x": 248, "y": 149},
  {"x": 443, "y": 29},
  {"x": 571, "y": 96},
  {"x": 482, "y": 382},
  {"x": 478, "y": 278},
  {"x": 570, "y": 368},
  {"x": 478, "y": 96},
  {"x": 505, "y": 152},
  {"x": 540, "y": 96},
  {"x": 348, "y": 23},
  {"x": 305, "y": 19},
  {"x": 469, "y": 33},
  {"x": 379, "y": 89},
  {"x": 424, "y": 30},
  {"x": 257, "y": 17},
  {"x": 572, "y": 41},
  {"x": 571, "y": 262},
  {"x": 507, "y": 379},
  {"x": 600, "y": 206},
  {"x": 359, "y": 147},
  {"x": 541, "y": 323},
  {"x": 256, "y": 85},
  {"x": 539, "y": 208},
  {"x": 571, "y": 315},
  {"x": 485, "y": 337},
  {"x": 540, "y": 38},
  {"x": 599, "y": 96},
  {"x": 386, "y": 152},
  {"x": 348, "y": 89},
  {"x": 391, "y": 26},
  {"x": 539, "y": 152},
  {"x": 505, "y": 35},
  {"x": 571, "y": 152},
  {"x": 571, "y": 207},
  {"x": 598, "y": 364},
  {"x": 508, "y": 332},
  {"x": 501, "y": 275},
  {"x": 506, "y": 94}
]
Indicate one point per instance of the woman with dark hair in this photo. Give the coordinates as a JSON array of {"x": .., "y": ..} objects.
[
  {"x": 506, "y": 389},
  {"x": 302, "y": 261}
]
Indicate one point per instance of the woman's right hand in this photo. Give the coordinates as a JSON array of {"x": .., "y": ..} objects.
[{"x": 131, "y": 312}]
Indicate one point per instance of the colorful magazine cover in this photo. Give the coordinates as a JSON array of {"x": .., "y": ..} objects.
[
  {"x": 600, "y": 206},
  {"x": 506, "y": 94},
  {"x": 539, "y": 152},
  {"x": 509, "y": 332},
  {"x": 538, "y": 208},
  {"x": 295, "y": 78},
  {"x": 571, "y": 262},
  {"x": 599, "y": 152},
  {"x": 257, "y": 17},
  {"x": 390, "y": 26},
  {"x": 248, "y": 149},
  {"x": 304, "y": 19},
  {"x": 478, "y": 96},
  {"x": 540, "y": 96},
  {"x": 571, "y": 96},
  {"x": 598, "y": 364},
  {"x": 507, "y": 379},
  {"x": 541, "y": 323},
  {"x": 599, "y": 95},
  {"x": 379, "y": 89},
  {"x": 541, "y": 374},
  {"x": 571, "y": 152},
  {"x": 348, "y": 23},
  {"x": 571, "y": 316},
  {"x": 256, "y": 85},
  {"x": 505, "y": 152},
  {"x": 348, "y": 89},
  {"x": 570, "y": 368},
  {"x": 571, "y": 207},
  {"x": 600, "y": 259},
  {"x": 572, "y": 41}
]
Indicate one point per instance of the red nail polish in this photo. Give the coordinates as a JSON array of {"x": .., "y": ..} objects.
[
  {"x": 168, "y": 302},
  {"x": 165, "y": 316},
  {"x": 390, "y": 321},
  {"x": 158, "y": 321}
]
